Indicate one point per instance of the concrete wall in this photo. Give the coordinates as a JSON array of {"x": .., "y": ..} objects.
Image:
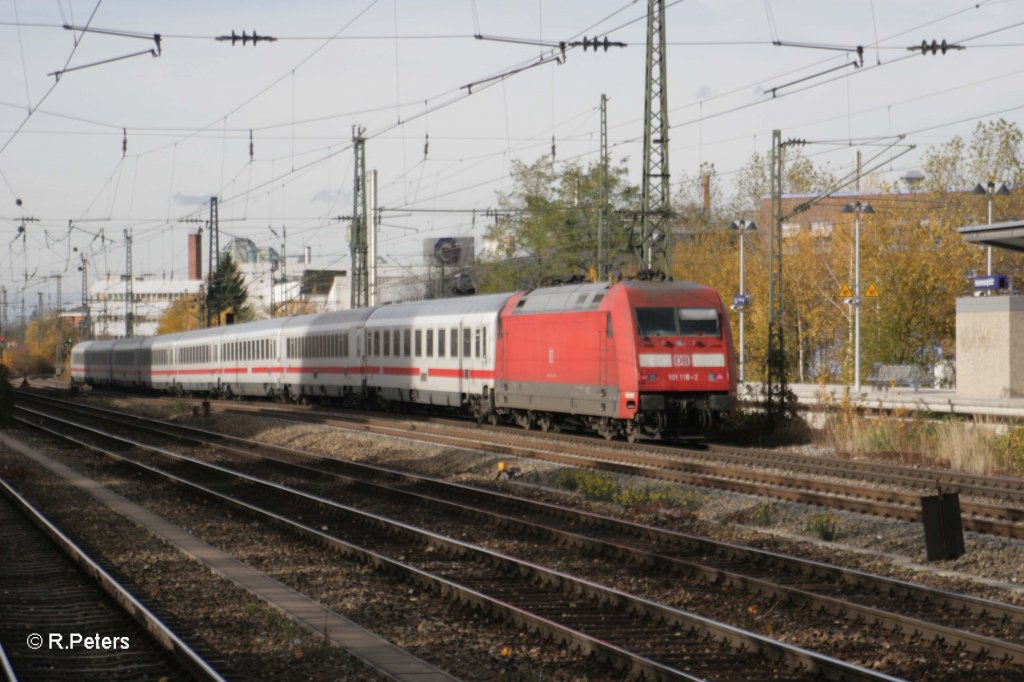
[{"x": 990, "y": 347}]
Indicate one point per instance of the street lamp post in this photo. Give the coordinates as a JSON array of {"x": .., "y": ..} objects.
[
  {"x": 742, "y": 226},
  {"x": 857, "y": 209},
  {"x": 990, "y": 190}
]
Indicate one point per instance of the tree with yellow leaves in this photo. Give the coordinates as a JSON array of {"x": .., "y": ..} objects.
[
  {"x": 37, "y": 353},
  {"x": 183, "y": 315}
]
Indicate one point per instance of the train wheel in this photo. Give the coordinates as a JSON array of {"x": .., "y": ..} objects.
[
  {"x": 606, "y": 428},
  {"x": 546, "y": 424},
  {"x": 632, "y": 432}
]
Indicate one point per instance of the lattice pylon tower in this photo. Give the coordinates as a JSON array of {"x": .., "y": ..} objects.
[
  {"x": 357, "y": 238},
  {"x": 775, "y": 394},
  {"x": 655, "y": 234}
]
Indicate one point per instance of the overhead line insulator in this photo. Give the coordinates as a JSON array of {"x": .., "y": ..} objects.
[
  {"x": 245, "y": 38},
  {"x": 935, "y": 47}
]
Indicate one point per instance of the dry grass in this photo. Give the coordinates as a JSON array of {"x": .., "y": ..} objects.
[{"x": 973, "y": 445}]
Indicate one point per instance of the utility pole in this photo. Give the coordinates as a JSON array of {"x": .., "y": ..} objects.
[
  {"x": 214, "y": 257},
  {"x": 213, "y": 263},
  {"x": 371, "y": 236},
  {"x": 3, "y": 324},
  {"x": 84, "y": 267},
  {"x": 602, "y": 216},
  {"x": 775, "y": 395},
  {"x": 655, "y": 234},
  {"x": 60, "y": 297},
  {"x": 129, "y": 295},
  {"x": 357, "y": 238},
  {"x": 39, "y": 318}
]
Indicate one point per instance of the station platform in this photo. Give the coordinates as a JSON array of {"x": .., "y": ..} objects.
[{"x": 934, "y": 400}]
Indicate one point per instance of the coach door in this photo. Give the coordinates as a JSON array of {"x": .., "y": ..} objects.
[{"x": 464, "y": 357}]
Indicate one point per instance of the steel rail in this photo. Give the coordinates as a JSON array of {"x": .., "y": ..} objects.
[
  {"x": 559, "y": 584},
  {"x": 978, "y": 517},
  {"x": 829, "y": 575},
  {"x": 158, "y": 631},
  {"x": 5, "y": 666}
]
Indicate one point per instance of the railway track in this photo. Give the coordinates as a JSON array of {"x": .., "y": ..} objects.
[
  {"x": 880, "y": 493},
  {"x": 62, "y": 616},
  {"x": 632, "y": 633},
  {"x": 988, "y": 629}
]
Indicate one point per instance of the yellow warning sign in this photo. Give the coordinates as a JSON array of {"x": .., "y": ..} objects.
[
  {"x": 872, "y": 291},
  {"x": 845, "y": 292}
]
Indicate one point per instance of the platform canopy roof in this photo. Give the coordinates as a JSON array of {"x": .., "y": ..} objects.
[{"x": 1008, "y": 235}]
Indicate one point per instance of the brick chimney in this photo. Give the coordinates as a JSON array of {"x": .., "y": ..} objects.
[{"x": 195, "y": 256}]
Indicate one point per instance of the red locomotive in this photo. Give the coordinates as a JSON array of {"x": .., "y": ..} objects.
[{"x": 636, "y": 359}]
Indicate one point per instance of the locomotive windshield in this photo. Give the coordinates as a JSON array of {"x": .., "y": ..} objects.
[{"x": 677, "y": 322}]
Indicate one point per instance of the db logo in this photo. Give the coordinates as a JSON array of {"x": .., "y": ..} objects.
[{"x": 681, "y": 360}]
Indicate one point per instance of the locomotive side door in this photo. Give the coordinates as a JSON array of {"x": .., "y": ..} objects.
[{"x": 603, "y": 336}]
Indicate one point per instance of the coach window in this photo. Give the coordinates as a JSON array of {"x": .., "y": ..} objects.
[
  {"x": 440, "y": 343},
  {"x": 419, "y": 343},
  {"x": 476, "y": 342},
  {"x": 344, "y": 345},
  {"x": 483, "y": 341},
  {"x": 387, "y": 343},
  {"x": 467, "y": 342},
  {"x": 396, "y": 341},
  {"x": 406, "y": 343},
  {"x": 430, "y": 343},
  {"x": 376, "y": 343},
  {"x": 453, "y": 342}
]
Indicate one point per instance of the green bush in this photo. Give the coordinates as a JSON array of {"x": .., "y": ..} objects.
[
  {"x": 602, "y": 487},
  {"x": 824, "y": 525},
  {"x": 762, "y": 514},
  {"x": 1010, "y": 448}
]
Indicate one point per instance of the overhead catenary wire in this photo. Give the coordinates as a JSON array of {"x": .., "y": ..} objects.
[{"x": 334, "y": 150}]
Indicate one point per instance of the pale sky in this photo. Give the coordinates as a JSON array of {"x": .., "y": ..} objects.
[{"x": 398, "y": 68}]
